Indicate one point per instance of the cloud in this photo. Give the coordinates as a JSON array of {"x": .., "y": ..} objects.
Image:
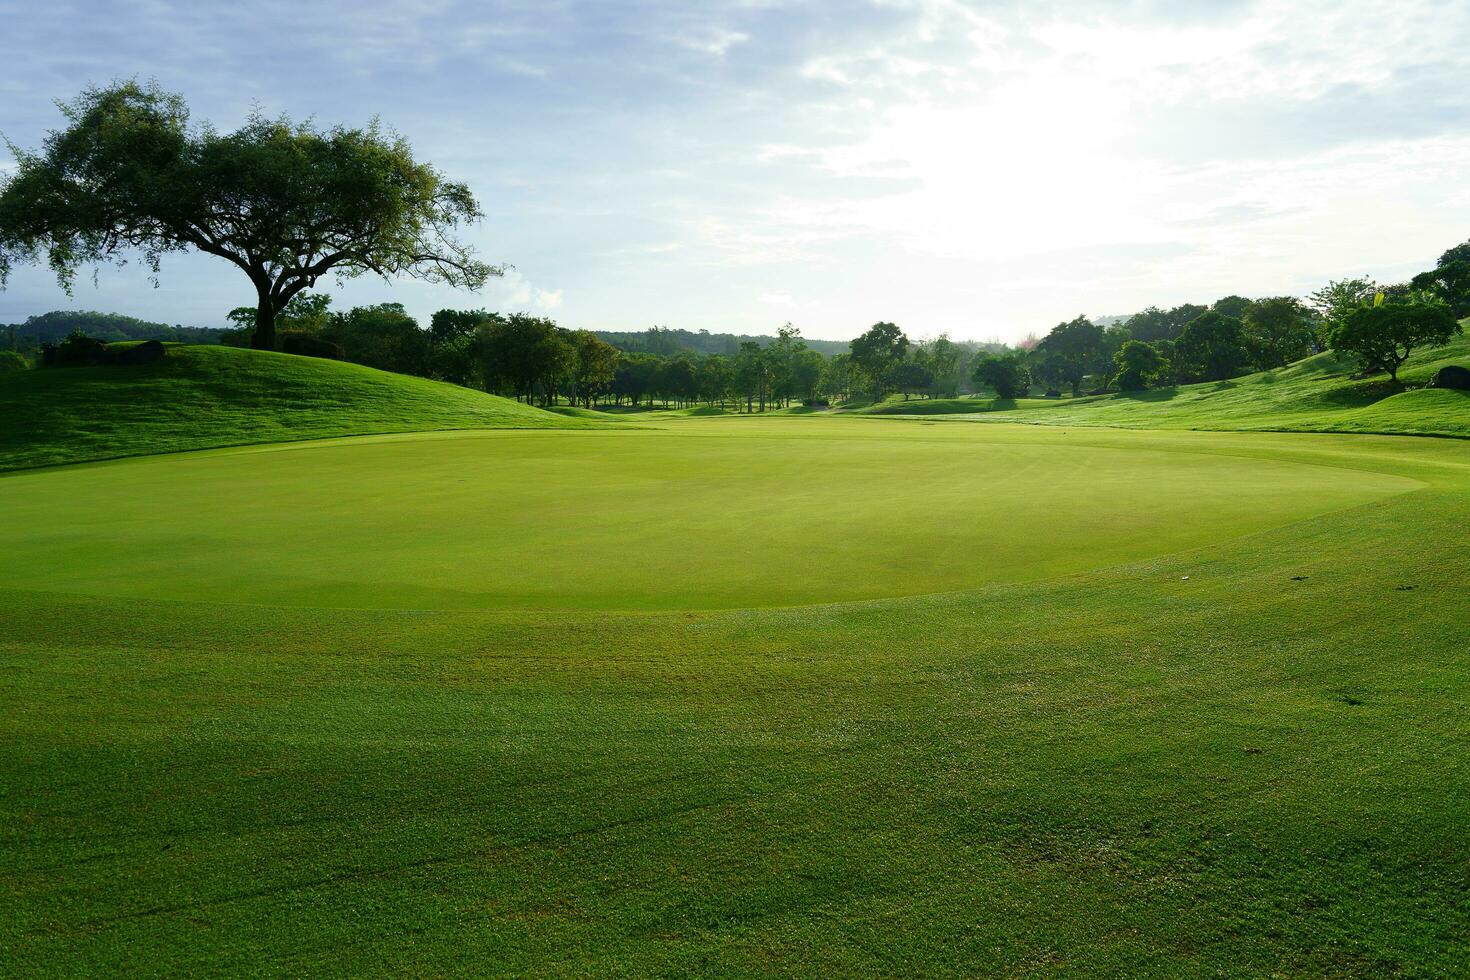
[{"x": 925, "y": 160}]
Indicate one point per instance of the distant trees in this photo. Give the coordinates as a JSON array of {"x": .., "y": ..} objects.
[
  {"x": 1138, "y": 365},
  {"x": 523, "y": 356},
  {"x": 1278, "y": 330},
  {"x": 1382, "y": 335},
  {"x": 1007, "y": 375},
  {"x": 1338, "y": 298},
  {"x": 594, "y": 365},
  {"x": 1449, "y": 280},
  {"x": 911, "y": 378},
  {"x": 1211, "y": 348},
  {"x": 877, "y": 351},
  {"x": 1153, "y": 324},
  {"x": 287, "y": 203},
  {"x": 1074, "y": 350}
]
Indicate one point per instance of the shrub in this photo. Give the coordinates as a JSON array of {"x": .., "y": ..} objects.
[
  {"x": 11, "y": 361},
  {"x": 305, "y": 345}
]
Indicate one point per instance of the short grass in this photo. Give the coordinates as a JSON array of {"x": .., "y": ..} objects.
[
  {"x": 715, "y": 514},
  {"x": 1318, "y": 394},
  {"x": 1246, "y": 756},
  {"x": 204, "y": 396}
]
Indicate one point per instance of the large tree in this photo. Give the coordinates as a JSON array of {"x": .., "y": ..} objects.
[
  {"x": 1138, "y": 364},
  {"x": 287, "y": 203},
  {"x": 1211, "y": 348},
  {"x": 1074, "y": 350},
  {"x": 1449, "y": 281},
  {"x": 877, "y": 351},
  {"x": 1278, "y": 330},
  {"x": 1383, "y": 335}
]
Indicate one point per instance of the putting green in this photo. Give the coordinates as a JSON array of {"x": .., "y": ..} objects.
[{"x": 717, "y": 514}]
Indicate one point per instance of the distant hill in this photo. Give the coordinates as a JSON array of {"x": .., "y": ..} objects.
[
  {"x": 202, "y": 397},
  {"x": 48, "y": 328},
  {"x": 666, "y": 341}
]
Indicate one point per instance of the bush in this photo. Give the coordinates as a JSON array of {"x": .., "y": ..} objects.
[
  {"x": 77, "y": 349},
  {"x": 305, "y": 345},
  {"x": 11, "y": 361}
]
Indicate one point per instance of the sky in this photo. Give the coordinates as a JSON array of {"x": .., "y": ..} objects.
[{"x": 982, "y": 169}]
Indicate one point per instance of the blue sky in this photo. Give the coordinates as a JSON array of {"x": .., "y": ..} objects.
[{"x": 985, "y": 169}]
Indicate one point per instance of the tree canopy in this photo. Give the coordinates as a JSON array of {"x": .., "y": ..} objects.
[
  {"x": 285, "y": 202},
  {"x": 1383, "y": 335}
]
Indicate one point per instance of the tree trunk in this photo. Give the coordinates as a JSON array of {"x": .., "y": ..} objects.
[{"x": 264, "y": 337}]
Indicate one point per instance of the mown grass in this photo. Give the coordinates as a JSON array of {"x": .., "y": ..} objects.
[
  {"x": 715, "y": 514},
  {"x": 1319, "y": 394},
  {"x": 203, "y": 396},
  {"x": 1243, "y": 758}
]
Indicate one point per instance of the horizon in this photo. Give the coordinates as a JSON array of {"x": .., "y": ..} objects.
[{"x": 738, "y": 167}]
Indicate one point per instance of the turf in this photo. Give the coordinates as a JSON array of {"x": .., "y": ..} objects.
[
  {"x": 717, "y": 514},
  {"x": 1243, "y": 757},
  {"x": 1318, "y": 394},
  {"x": 204, "y": 396}
]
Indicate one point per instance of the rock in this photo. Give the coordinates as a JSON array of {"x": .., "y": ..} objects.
[
  {"x": 1452, "y": 376},
  {"x": 148, "y": 352}
]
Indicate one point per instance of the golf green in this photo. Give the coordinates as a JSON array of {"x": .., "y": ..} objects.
[{"x": 702, "y": 515}]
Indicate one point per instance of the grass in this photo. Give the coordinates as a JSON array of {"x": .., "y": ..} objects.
[
  {"x": 1244, "y": 756},
  {"x": 1318, "y": 394},
  {"x": 203, "y": 396},
  {"x": 727, "y": 696},
  {"x": 715, "y": 514}
]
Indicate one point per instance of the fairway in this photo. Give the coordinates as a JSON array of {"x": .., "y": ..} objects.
[{"x": 705, "y": 514}]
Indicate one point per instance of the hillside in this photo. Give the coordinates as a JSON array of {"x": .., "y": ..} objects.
[
  {"x": 1318, "y": 394},
  {"x": 203, "y": 397}
]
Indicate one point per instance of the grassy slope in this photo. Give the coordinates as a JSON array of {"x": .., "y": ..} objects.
[
  {"x": 202, "y": 396},
  {"x": 1257, "y": 770},
  {"x": 1314, "y": 395}
]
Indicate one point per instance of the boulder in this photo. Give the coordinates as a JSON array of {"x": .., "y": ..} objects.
[{"x": 1454, "y": 377}]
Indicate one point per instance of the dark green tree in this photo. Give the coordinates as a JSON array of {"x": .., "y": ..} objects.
[
  {"x": 1449, "y": 280},
  {"x": 1138, "y": 364},
  {"x": 1211, "y": 348},
  {"x": 1383, "y": 335},
  {"x": 594, "y": 366},
  {"x": 287, "y": 203},
  {"x": 1074, "y": 350},
  {"x": 877, "y": 351},
  {"x": 911, "y": 378},
  {"x": 1278, "y": 330},
  {"x": 1006, "y": 375}
]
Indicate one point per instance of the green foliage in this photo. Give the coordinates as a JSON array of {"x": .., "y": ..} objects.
[
  {"x": 1211, "y": 348},
  {"x": 1153, "y": 324},
  {"x": 1382, "y": 336},
  {"x": 1236, "y": 307},
  {"x": 1338, "y": 298},
  {"x": 877, "y": 351},
  {"x": 1278, "y": 331},
  {"x": 1138, "y": 365},
  {"x": 383, "y": 337},
  {"x": 1072, "y": 351},
  {"x": 911, "y": 378},
  {"x": 1449, "y": 281},
  {"x": 1007, "y": 376},
  {"x": 285, "y": 202},
  {"x": 11, "y": 361},
  {"x": 524, "y": 355},
  {"x": 48, "y": 328}
]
